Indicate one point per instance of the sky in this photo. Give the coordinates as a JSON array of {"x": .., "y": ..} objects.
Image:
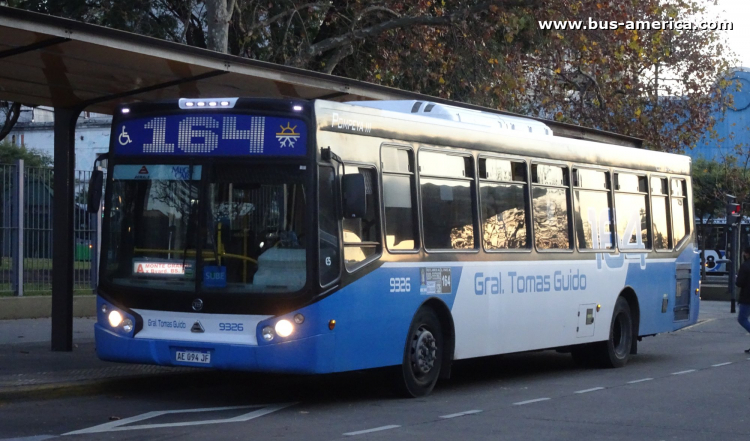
[{"x": 737, "y": 12}]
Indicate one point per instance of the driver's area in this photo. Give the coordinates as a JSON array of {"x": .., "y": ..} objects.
[{"x": 255, "y": 229}]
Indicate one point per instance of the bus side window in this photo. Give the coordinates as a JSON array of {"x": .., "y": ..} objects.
[
  {"x": 504, "y": 209},
  {"x": 549, "y": 195},
  {"x": 660, "y": 214},
  {"x": 592, "y": 210},
  {"x": 362, "y": 235},
  {"x": 399, "y": 198},
  {"x": 328, "y": 226},
  {"x": 680, "y": 213},
  {"x": 447, "y": 189},
  {"x": 631, "y": 193}
]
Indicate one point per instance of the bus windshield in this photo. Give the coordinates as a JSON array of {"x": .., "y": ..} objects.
[{"x": 228, "y": 228}]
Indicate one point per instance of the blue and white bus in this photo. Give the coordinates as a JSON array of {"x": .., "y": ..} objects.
[
  {"x": 318, "y": 237},
  {"x": 712, "y": 237}
]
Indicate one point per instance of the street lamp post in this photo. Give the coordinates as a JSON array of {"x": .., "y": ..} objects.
[{"x": 734, "y": 214}]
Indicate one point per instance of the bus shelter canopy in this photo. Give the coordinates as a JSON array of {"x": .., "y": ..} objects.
[{"x": 55, "y": 62}]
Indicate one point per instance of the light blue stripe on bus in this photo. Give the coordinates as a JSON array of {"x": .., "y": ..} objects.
[{"x": 372, "y": 321}]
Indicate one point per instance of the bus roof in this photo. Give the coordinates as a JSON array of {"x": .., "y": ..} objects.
[{"x": 416, "y": 127}]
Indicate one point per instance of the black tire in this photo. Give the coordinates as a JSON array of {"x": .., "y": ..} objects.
[
  {"x": 615, "y": 352},
  {"x": 423, "y": 355}
]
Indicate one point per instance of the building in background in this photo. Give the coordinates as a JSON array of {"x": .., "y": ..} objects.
[
  {"x": 35, "y": 130},
  {"x": 732, "y": 124}
]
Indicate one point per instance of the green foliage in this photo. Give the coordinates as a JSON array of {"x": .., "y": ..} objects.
[
  {"x": 492, "y": 53},
  {"x": 712, "y": 181},
  {"x": 10, "y": 152},
  {"x": 160, "y": 18}
]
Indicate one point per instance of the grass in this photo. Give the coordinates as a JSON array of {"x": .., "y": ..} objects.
[
  {"x": 39, "y": 292},
  {"x": 34, "y": 263},
  {"x": 44, "y": 286}
]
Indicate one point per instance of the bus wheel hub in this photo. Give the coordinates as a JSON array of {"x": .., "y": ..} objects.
[{"x": 424, "y": 351}]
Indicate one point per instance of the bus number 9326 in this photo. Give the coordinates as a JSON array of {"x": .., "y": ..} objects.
[{"x": 400, "y": 284}]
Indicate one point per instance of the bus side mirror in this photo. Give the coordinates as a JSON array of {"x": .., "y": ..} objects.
[
  {"x": 355, "y": 197},
  {"x": 95, "y": 191}
]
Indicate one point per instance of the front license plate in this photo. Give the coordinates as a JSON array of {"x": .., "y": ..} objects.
[{"x": 193, "y": 357}]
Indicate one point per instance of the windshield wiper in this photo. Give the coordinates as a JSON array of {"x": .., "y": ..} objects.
[{"x": 189, "y": 219}]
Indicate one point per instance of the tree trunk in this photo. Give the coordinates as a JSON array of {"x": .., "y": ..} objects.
[
  {"x": 218, "y": 14},
  {"x": 12, "y": 112}
]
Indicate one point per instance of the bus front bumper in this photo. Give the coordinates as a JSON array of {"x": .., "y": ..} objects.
[{"x": 312, "y": 355}]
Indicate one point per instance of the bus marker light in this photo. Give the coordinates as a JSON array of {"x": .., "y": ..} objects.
[
  {"x": 192, "y": 103},
  {"x": 104, "y": 309},
  {"x": 284, "y": 328},
  {"x": 125, "y": 110},
  {"x": 299, "y": 319},
  {"x": 115, "y": 318},
  {"x": 331, "y": 324},
  {"x": 127, "y": 325},
  {"x": 598, "y": 307},
  {"x": 297, "y": 108},
  {"x": 267, "y": 333}
]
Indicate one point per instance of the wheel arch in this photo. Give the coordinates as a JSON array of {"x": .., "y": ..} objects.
[
  {"x": 445, "y": 317},
  {"x": 635, "y": 312}
]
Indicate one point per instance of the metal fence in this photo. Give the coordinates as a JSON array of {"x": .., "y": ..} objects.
[
  {"x": 26, "y": 199},
  {"x": 7, "y": 229}
]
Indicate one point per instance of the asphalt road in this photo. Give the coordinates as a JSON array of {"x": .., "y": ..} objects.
[{"x": 688, "y": 385}]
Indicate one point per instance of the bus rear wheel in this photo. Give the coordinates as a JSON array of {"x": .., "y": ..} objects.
[
  {"x": 423, "y": 355},
  {"x": 615, "y": 352}
]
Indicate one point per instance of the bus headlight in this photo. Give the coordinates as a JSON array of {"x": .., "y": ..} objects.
[
  {"x": 267, "y": 333},
  {"x": 284, "y": 328},
  {"x": 115, "y": 318}
]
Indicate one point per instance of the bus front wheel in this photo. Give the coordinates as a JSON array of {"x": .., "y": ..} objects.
[
  {"x": 615, "y": 352},
  {"x": 423, "y": 355}
]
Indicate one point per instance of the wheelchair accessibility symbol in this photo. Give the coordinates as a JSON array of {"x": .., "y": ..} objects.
[{"x": 124, "y": 138}]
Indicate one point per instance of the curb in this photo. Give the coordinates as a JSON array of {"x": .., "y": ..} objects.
[
  {"x": 87, "y": 387},
  {"x": 715, "y": 292}
]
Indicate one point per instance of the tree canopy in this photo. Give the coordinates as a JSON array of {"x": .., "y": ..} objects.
[
  {"x": 10, "y": 152},
  {"x": 713, "y": 181},
  {"x": 659, "y": 85}
]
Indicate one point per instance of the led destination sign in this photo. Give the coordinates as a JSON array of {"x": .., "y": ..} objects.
[{"x": 211, "y": 134}]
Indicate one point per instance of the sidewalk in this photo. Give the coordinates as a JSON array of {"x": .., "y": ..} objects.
[
  {"x": 29, "y": 368},
  {"x": 27, "y": 307}
]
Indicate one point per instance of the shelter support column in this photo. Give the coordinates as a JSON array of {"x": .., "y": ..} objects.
[{"x": 62, "y": 229}]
